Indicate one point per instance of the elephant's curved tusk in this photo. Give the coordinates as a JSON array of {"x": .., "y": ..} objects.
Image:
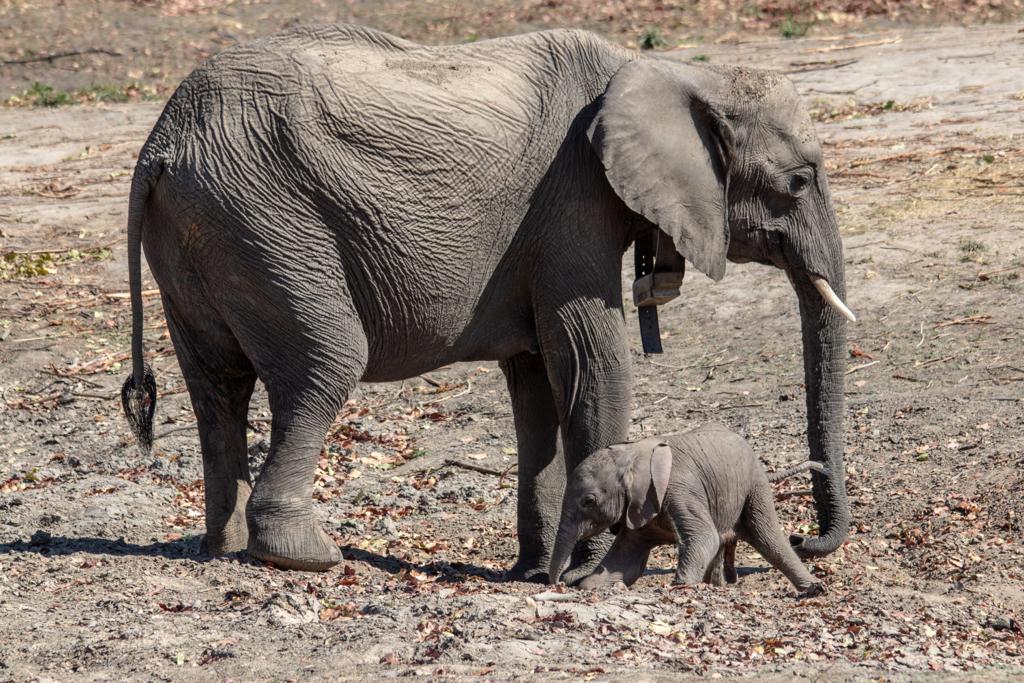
[{"x": 821, "y": 284}]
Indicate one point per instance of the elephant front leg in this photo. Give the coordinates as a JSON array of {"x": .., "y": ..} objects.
[
  {"x": 541, "y": 472},
  {"x": 583, "y": 342}
]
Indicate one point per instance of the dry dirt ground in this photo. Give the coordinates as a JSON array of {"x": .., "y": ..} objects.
[{"x": 99, "y": 572}]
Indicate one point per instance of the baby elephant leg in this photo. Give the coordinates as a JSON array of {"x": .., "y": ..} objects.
[
  {"x": 699, "y": 544},
  {"x": 715, "y": 575},
  {"x": 722, "y": 569}
]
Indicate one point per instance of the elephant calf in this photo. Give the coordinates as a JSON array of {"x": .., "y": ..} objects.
[{"x": 703, "y": 490}]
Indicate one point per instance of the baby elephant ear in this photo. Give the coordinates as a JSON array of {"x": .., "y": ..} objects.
[{"x": 648, "y": 483}]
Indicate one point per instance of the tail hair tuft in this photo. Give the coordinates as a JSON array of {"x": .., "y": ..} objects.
[{"x": 139, "y": 404}]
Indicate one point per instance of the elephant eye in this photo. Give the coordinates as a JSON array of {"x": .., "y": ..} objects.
[
  {"x": 798, "y": 182},
  {"x": 588, "y": 501}
]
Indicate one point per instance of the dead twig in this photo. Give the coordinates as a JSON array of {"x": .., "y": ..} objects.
[
  {"x": 790, "y": 494},
  {"x": 552, "y": 596},
  {"x": 173, "y": 430},
  {"x": 853, "y": 46},
  {"x": 933, "y": 361},
  {"x": 451, "y": 462},
  {"x": 61, "y": 55},
  {"x": 431, "y": 381},
  {"x": 127, "y": 295},
  {"x": 989, "y": 273},
  {"x": 862, "y": 366},
  {"x": 804, "y": 67},
  {"x": 969, "y": 320}
]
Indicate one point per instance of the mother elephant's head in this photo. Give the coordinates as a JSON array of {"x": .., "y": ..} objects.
[{"x": 726, "y": 162}]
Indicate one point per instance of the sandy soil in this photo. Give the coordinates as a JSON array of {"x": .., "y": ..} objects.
[{"x": 99, "y": 572}]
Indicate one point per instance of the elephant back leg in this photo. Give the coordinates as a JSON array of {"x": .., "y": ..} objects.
[
  {"x": 307, "y": 345},
  {"x": 759, "y": 526},
  {"x": 220, "y": 381}
]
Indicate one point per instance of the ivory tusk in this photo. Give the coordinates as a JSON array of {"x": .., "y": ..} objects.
[{"x": 821, "y": 284}]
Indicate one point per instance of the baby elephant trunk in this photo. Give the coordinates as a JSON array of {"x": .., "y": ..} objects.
[{"x": 562, "y": 554}]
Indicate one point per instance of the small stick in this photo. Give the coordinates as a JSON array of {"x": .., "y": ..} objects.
[
  {"x": 803, "y": 67},
  {"x": 796, "y": 492},
  {"x": 866, "y": 244},
  {"x": 98, "y": 397},
  {"x": 552, "y": 596},
  {"x": 173, "y": 430},
  {"x": 934, "y": 360},
  {"x": 969, "y": 320},
  {"x": 474, "y": 468},
  {"x": 61, "y": 55},
  {"x": 861, "y": 367},
  {"x": 469, "y": 388},
  {"x": 126, "y": 295},
  {"x": 853, "y": 46},
  {"x": 431, "y": 381},
  {"x": 508, "y": 471},
  {"x": 989, "y": 273},
  {"x": 740, "y": 405}
]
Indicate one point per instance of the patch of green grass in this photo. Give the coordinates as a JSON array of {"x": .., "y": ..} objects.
[
  {"x": 793, "y": 28},
  {"x": 43, "y": 95},
  {"x": 652, "y": 39},
  {"x": 988, "y": 158},
  {"x": 16, "y": 265},
  {"x": 969, "y": 246},
  {"x": 971, "y": 250},
  {"x": 700, "y": 58}
]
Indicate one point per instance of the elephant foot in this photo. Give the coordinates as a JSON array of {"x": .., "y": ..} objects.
[
  {"x": 226, "y": 530},
  {"x": 528, "y": 570},
  {"x": 291, "y": 542},
  {"x": 231, "y": 538}
]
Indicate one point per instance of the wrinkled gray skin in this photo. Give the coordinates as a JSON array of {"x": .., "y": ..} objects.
[
  {"x": 333, "y": 204},
  {"x": 703, "y": 490}
]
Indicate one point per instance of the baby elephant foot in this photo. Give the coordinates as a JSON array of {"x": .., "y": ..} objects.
[
  {"x": 812, "y": 589},
  {"x": 600, "y": 578},
  {"x": 292, "y": 541}
]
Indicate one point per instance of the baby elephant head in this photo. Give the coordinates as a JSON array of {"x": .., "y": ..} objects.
[{"x": 622, "y": 484}]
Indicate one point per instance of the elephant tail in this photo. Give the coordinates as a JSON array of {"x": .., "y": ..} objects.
[
  {"x": 808, "y": 465},
  {"x": 138, "y": 395}
]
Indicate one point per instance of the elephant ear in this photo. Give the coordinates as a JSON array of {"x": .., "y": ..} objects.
[
  {"x": 647, "y": 484},
  {"x": 665, "y": 152}
]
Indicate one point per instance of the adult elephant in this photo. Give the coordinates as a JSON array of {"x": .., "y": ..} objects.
[{"x": 333, "y": 204}]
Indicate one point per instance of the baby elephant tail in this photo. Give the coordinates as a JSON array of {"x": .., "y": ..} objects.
[{"x": 808, "y": 465}]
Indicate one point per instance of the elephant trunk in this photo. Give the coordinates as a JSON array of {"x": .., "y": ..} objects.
[
  {"x": 561, "y": 556},
  {"x": 824, "y": 347}
]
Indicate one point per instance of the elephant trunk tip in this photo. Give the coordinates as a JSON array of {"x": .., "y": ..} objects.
[{"x": 819, "y": 546}]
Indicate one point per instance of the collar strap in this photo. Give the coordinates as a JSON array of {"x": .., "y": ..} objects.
[{"x": 659, "y": 274}]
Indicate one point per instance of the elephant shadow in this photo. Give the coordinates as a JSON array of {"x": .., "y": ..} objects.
[
  {"x": 48, "y": 545},
  {"x": 445, "y": 572},
  {"x": 740, "y": 571}
]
